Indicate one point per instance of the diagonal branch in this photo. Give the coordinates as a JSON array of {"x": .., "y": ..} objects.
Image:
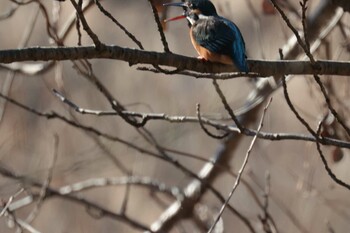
[
  {"x": 86, "y": 26},
  {"x": 325, "y": 163},
  {"x": 240, "y": 172},
  {"x": 160, "y": 28}
]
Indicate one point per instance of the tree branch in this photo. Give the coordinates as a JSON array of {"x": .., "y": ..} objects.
[{"x": 135, "y": 56}]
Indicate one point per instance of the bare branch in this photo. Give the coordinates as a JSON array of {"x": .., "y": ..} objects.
[
  {"x": 46, "y": 184},
  {"x": 227, "y": 107},
  {"x": 134, "y": 56},
  {"x": 86, "y": 26},
  {"x": 295, "y": 31},
  {"x": 324, "y": 161},
  {"x": 291, "y": 106},
  {"x": 110, "y": 16},
  {"x": 240, "y": 172},
  {"x": 160, "y": 27},
  {"x": 131, "y": 180},
  {"x": 205, "y": 129}
]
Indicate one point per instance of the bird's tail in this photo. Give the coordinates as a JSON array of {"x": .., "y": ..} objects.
[
  {"x": 242, "y": 65},
  {"x": 239, "y": 57}
]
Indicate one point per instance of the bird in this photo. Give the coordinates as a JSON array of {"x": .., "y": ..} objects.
[{"x": 214, "y": 37}]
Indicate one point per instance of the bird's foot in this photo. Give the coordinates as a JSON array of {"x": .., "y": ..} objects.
[{"x": 201, "y": 58}]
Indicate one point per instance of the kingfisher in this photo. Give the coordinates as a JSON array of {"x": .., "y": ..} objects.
[{"x": 214, "y": 37}]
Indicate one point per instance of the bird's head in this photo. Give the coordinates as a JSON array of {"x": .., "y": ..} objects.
[
  {"x": 204, "y": 7},
  {"x": 191, "y": 17},
  {"x": 194, "y": 10}
]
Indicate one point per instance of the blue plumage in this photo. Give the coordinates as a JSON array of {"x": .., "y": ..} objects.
[
  {"x": 213, "y": 34},
  {"x": 238, "y": 47}
]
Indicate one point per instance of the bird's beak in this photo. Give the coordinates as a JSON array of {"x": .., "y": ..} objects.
[
  {"x": 178, "y": 4},
  {"x": 175, "y": 18}
]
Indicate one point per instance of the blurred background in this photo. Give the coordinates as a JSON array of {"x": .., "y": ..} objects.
[{"x": 302, "y": 197}]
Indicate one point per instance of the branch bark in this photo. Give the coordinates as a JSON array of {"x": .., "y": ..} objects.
[{"x": 136, "y": 56}]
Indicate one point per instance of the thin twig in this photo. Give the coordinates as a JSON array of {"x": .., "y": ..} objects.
[
  {"x": 325, "y": 163},
  {"x": 240, "y": 172},
  {"x": 9, "y": 202},
  {"x": 86, "y": 26},
  {"x": 68, "y": 25},
  {"x": 160, "y": 27},
  {"x": 205, "y": 129},
  {"x": 77, "y": 23},
  {"x": 296, "y": 113},
  {"x": 148, "y": 182},
  {"x": 110, "y": 16},
  {"x": 46, "y": 184},
  {"x": 303, "y": 22},
  {"x": 330, "y": 106},
  {"x": 227, "y": 107},
  {"x": 266, "y": 216},
  {"x": 295, "y": 31}
]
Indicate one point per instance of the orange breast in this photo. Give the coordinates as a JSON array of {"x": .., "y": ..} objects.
[{"x": 210, "y": 56}]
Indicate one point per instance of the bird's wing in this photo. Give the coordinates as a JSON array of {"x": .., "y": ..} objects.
[
  {"x": 213, "y": 34},
  {"x": 238, "y": 47}
]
